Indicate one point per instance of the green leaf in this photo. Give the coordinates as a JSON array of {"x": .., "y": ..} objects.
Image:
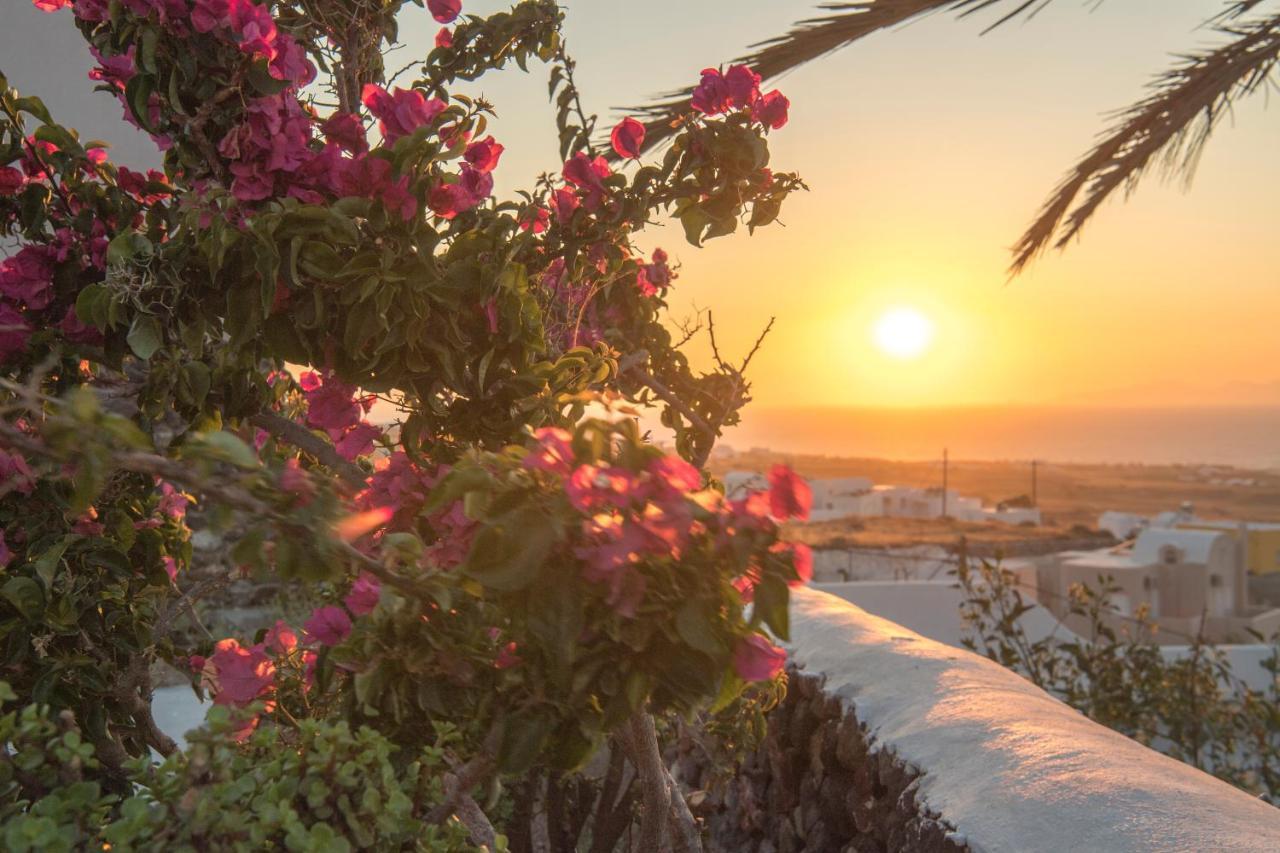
[
  {"x": 25, "y": 595},
  {"x": 225, "y": 447},
  {"x": 147, "y": 55},
  {"x": 91, "y": 305},
  {"x": 260, "y": 78},
  {"x": 46, "y": 565},
  {"x": 126, "y": 246},
  {"x": 137, "y": 94},
  {"x": 196, "y": 381},
  {"x": 145, "y": 336},
  {"x": 523, "y": 737},
  {"x": 770, "y": 606},
  {"x": 508, "y": 554},
  {"x": 696, "y": 630}
]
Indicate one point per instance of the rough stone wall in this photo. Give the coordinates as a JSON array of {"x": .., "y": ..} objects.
[{"x": 818, "y": 784}]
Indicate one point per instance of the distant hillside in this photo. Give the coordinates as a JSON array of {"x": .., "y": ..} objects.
[{"x": 1069, "y": 494}]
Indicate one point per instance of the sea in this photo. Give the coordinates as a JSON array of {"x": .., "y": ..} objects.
[{"x": 1242, "y": 436}]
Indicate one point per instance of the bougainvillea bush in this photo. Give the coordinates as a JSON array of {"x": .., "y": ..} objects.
[{"x": 414, "y": 404}]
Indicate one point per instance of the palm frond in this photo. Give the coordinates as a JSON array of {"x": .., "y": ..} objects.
[
  {"x": 1236, "y": 9},
  {"x": 813, "y": 38},
  {"x": 1168, "y": 129}
]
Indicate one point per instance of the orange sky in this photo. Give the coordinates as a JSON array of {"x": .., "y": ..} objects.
[{"x": 928, "y": 149}]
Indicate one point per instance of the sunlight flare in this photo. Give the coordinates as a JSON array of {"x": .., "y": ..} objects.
[{"x": 903, "y": 333}]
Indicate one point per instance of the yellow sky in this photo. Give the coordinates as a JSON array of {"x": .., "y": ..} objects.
[{"x": 928, "y": 149}]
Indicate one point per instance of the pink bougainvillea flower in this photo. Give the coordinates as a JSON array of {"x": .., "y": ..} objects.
[
  {"x": 116, "y": 71},
  {"x": 364, "y": 594},
  {"x": 666, "y": 528},
  {"x": 271, "y": 144},
  {"x": 281, "y": 639},
  {"x": 15, "y": 474},
  {"x": 328, "y": 625},
  {"x": 658, "y": 274},
  {"x": 77, "y": 332},
  {"x": 444, "y": 38},
  {"x": 742, "y": 85},
  {"x": 757, "y": 659},
  {"x": 588, "y": 176},
  {"x": 591, "y": 488},
  {"x": 801, "y": 559},
  {"x": 771, "y": 110},
  {"x": 751, "y": 511},
  {"x": 553, "y": 453},
  {"x": 564, "y": 202},
  {"x": 173, "y": 503},
  {"x": 507, "y": 657},
  {"x": 473, "y": 187},
  {"x": 357, "y": 441},
  {"x": 144, "y": 187},
  {"x": 93, "y": 10},
  {"x": 746, "y": 584},
  {"x": 353, "y": 527},
  {"x": 535, "y": 219},
  {"x": 674, "y": 476},
  {"x": 789, "y": 494},
  {"x": 50, "y": 5},
  {"x": 88, "y": 525},
  {"x": 11, "y": 180},
  {"x": 477, "y": 184},
  {"x": 490, "y": 310},
  {"x": 171, "y": 569},
  {"x": 483, "y": 154},
  {"x": 643, "y": 284},
  {"x": 401, "y": 111},
  {"x": 27, "y": 277},
  {"x": 254, "y": 28},
  {"x": 712, "y": 93},
  {"x": 15, "y": 332},
  {"x": 331, "y": 403},
  {"x": 309, "y": 659},
  {"x": 242, "y": 675},
  {"x": 445, "y": 11},
  {"x": 346, "y": 131},
  {"x": 208, "y": 15},
  {"x": 297, "y": 482},
  {"x": 290, "y": 63},
  {"x": 627, "y": 138}
]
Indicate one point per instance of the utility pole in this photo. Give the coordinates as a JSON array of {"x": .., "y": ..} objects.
[
  {"x": 944, "y": 482},
  {"x": 1033, "y": 483}
]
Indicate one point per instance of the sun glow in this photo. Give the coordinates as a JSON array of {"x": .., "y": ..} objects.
[{"x": 903, "y": 333}]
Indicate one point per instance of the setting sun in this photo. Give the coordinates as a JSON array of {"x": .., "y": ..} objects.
[{"x": 903, "y": 333}]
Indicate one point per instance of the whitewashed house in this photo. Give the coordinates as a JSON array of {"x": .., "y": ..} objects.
[{"x": 1189, "y": 582}]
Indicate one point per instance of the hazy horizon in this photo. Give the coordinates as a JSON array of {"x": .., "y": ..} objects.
[{"x": 1241, "y": 436}]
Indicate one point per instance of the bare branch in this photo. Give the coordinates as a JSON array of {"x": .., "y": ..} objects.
[{"x": 308, "y": 442}]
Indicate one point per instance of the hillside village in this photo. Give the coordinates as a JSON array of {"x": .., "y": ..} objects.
[{"x": 893, "y": 549}]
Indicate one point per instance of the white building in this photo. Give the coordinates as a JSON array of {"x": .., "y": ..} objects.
[
  {"x": 843, "y": 497},
  {"x": 1121, "y": 525},
  {"x": 1188, "y": 582}
]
